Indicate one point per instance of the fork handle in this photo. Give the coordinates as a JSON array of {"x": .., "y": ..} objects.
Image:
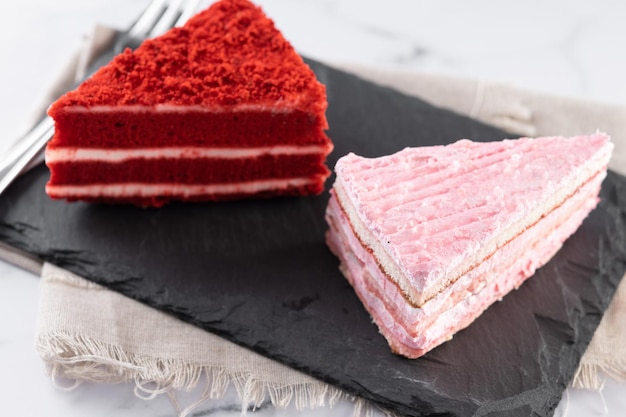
[{"x": 30, "y": 146}]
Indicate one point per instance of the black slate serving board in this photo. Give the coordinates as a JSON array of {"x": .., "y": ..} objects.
[{"x": 258, "y": 273}]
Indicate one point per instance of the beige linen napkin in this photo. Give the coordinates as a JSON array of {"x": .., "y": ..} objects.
[{"x": 85, "y": 332}]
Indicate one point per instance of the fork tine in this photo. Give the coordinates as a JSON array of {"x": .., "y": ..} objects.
[
  {"x": 167, "y": 19},
  {"x": 177, "y": 13},
  {"x": 148, "y": 19},
  {"x": 187, "y": 12}
]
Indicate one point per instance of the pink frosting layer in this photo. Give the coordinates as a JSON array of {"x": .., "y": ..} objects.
[{"x": 427, "y": 206}]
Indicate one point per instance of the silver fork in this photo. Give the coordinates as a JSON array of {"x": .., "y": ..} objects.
[{"x": 158, "y": 17}]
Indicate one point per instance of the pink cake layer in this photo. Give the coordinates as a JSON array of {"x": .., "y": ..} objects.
[
  {"x": 413, "y": 331},
  {"x": 431, "y": 214}
]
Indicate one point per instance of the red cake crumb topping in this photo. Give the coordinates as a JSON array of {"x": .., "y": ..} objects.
[{"x": 230, "y": 53}]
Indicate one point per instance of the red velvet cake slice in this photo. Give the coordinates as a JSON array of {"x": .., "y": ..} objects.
[
  {"x": 221, "y": 108},
  {"x": 431, "y": 237}
]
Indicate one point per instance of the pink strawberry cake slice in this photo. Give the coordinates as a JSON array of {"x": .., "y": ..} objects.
[{"x": 430, "y": 237}]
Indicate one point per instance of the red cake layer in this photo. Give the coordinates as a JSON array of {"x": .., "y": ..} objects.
[
  {"x": 189, "y": 171},
  {"x": 132, "y": 129}
]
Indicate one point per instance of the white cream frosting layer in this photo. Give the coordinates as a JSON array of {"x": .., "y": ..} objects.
[
  {"x": 168, "y": 108},
  {"x": 146, "y": 190},
  {"x": 74, "y": 154}
]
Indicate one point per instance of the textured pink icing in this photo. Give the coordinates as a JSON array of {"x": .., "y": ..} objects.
[
  {"x": 434, "y": 210},
  {"x": 427, "y": 206},
  {"x": 413, "y": 331}
]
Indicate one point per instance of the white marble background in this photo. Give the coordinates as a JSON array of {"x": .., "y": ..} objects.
[{"x": 574, "y": 48}]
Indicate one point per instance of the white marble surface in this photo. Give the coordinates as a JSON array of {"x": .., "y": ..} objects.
[{"x": 573, "y": 48}]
